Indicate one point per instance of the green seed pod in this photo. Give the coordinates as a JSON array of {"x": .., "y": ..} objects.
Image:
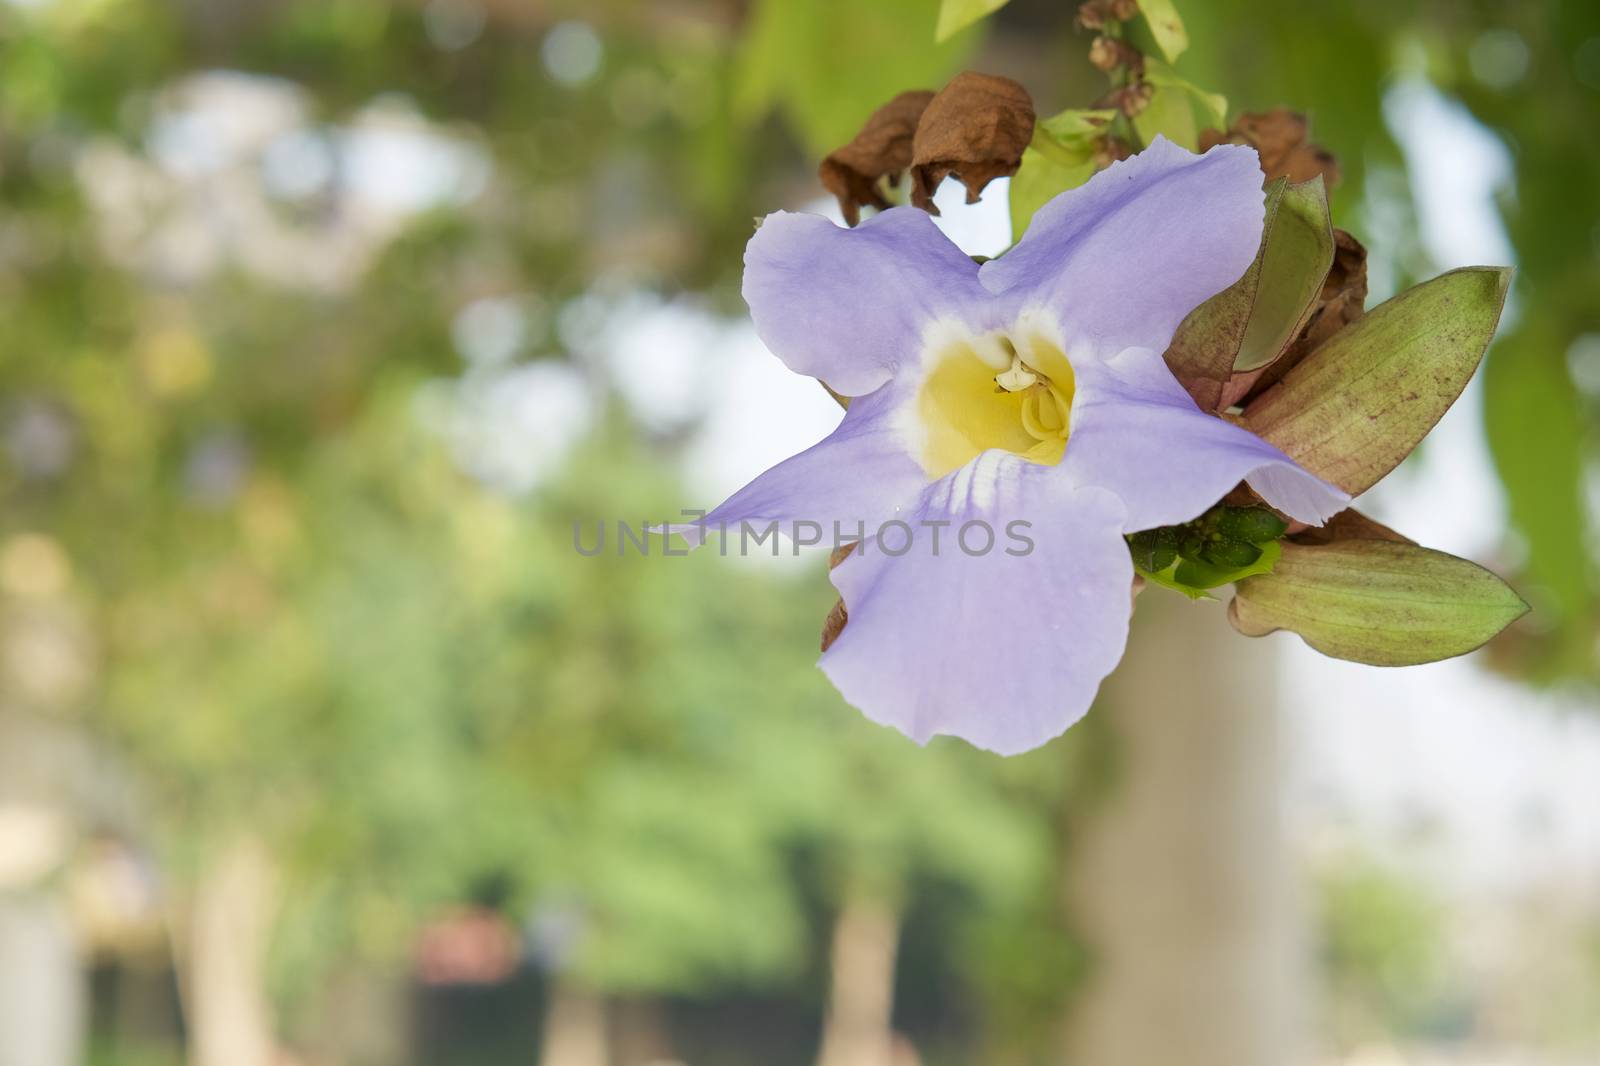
[
  {"x": 1254, "y": 525},
  {"x": 1154, "y": 549},
  {"x": 1231, "y": 553}
]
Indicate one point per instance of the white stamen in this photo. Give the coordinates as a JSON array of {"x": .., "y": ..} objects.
[{"x": 1017, "y": 378}]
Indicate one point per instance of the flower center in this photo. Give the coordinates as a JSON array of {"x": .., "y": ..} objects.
[{"x": 1012, "y": 392}]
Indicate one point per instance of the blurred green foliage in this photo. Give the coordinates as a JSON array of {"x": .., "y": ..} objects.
[{"x": 1383, "y": 948}]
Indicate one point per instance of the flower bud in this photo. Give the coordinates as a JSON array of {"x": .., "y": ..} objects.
[
  {"x": 1253, "y": 525},
  {"x": 1228, "y": 552},
  {"x": 1154, "y": 549}
]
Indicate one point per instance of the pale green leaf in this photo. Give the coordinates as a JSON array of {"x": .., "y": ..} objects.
[
  {"x": 1077, "y": 128},
  {"x": 1170, "y": 114},
  {"x": 1211, "y": 108},
  {"x": 1377, "y": 601},
  {"x": 1362, "y": 401},
  {"x": 957, "y": 15},
  {"x": 1039, "y": 179},
  {"x": 1166, "y": 27},
  {"x": 1060, "y": 157}
]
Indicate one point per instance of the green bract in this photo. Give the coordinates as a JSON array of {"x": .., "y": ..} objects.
[
  {"x": 1377, "y": 601},
  {"x": 1249, "y": 324},
  {"x": 1362, "y": 401}
]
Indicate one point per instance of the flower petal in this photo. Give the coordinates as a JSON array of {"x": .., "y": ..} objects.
[
  {"x": 1003, "y": 650},
  {"x": 849, "y": 305},
  {"x": 1136, "y": 432},
  {"x": 1120, "y": 260},
  {"x": 857, "y": 476}
]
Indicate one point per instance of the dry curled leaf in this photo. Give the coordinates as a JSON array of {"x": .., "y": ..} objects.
[
  {"x": 834, "y": 624},
  {"x": 881, "y": 150},
  {"x": 976, "y": 129},
  {"x": 1281, "y": 138}
]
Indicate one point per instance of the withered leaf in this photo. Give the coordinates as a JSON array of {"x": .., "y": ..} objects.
[
  {"x": 881, "y": 150},
  {"x": 1281, "y": 138},
  {"x": 976, "y": 129},
  {"x": 834, "y": 624}
]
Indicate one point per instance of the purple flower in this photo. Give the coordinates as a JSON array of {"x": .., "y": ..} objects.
[{"x": 1030, "y": 389}]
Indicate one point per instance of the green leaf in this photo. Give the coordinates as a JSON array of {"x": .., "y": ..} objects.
[
  {"x": 1249, "y": 324},
  {"x": 1210, "y": 108},
  {"x": 1169, "y": 114},
  {"x": 1362, "y": 401},
  {"x": 1534, "y": 419},
  {"x": 957, "y": 15},
  {"x": 1193, "y": 577},
  {"x": 1166, "y": 27},
  {"x": 1377, "y": 601}
]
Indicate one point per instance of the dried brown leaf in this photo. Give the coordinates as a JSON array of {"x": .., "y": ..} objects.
[
  {"x": 834, "y": 624},
  {"x": 1280, "y": 137},
  {"x": 976, "y": 129},
  {"x": 881, "y": 150}
]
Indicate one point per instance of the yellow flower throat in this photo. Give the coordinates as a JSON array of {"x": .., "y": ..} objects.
[{"x": 1013, "y": 393}]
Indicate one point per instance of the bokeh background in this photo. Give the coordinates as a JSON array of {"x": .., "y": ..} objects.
[{"x": 322, "y": 322}]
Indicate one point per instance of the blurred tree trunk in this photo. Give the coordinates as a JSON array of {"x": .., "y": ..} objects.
[
  {"x": 42, "y": 1009},
  {"x": 575, "y": 1027},
  {"x": 858, "y": 1030},
  {"x": 230, "y": 925},
  {"x": 1181, "y": 882},
  {"x": 643, "y": 1037},
  {"x": 43, "y": 986}
]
